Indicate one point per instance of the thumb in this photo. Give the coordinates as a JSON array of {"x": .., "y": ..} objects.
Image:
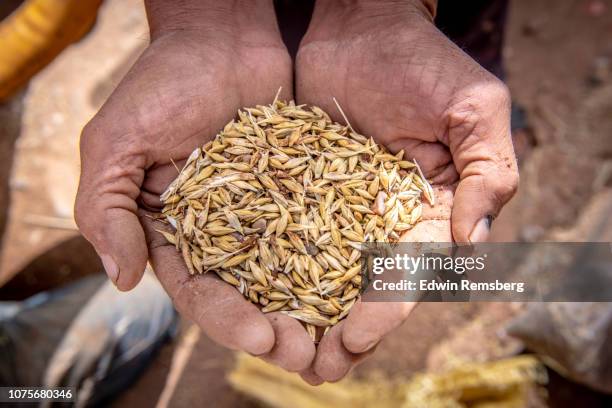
[
  {"x": 112, "y": 172},
  {"x": 481, "y": 145}
]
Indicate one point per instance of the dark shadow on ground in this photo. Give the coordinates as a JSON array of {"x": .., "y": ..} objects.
[{"x": 64, "y": 263}]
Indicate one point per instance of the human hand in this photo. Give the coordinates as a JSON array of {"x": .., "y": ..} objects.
[
  {"x": 356, "y": 337},
  {"x": 403, "y": 82},
  {"x": 206, "y": 59}
]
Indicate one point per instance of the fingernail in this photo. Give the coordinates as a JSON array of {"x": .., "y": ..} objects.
[
  {"x": 112, "y": 270},
  {"x": 480, "y": 233}
]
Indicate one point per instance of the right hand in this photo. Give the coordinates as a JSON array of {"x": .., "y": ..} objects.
[
  {"x": 200, "y": 67},
  {"x": 401, "y": 81}
]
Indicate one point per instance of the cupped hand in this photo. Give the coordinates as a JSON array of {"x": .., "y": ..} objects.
[
  {"x": 355, "y": 338},
  {"x": 198, "y": 70},
  {"x": 400, "y": 80}
]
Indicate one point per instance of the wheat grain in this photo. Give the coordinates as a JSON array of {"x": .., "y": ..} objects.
[{"x": 279, "y": 202}]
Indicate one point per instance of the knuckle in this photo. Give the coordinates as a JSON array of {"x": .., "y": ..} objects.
[
  {"x": 90, "y": 133},
  {"x": 497, "y": 93},
  {"x": 505, "y": 186},
  {"x": 81, "y": 206},
  {"x": 105, "y": 138},
  {"x": 514, "y": 179},
  {"x": 484, "y": 102},
  {"x": 462, "y": 119},
  {"x": 83, "y": 218}
]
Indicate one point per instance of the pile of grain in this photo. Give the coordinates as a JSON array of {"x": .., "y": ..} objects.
[{"x": 279, "y": 203}]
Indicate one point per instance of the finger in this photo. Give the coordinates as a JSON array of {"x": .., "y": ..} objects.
[
  {"x": 442, "y": 206},
  {"x": 481, "y": 145},
  {"x": 157, "y": 179},
  {"x": 369, "y": 322},
  {"x": 435, "y": 225},
  {"x": 311, "y": 377},
  {"x": 105, "y": 207},
  {"x": 333, "y": 361},
  {"x": 434, "y": 158},
  {"x": 217, "y": 307},
  {"x": 429, "y": 231},
  {"x": 293, "y": 349}
]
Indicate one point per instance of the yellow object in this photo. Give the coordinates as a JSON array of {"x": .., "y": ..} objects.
[
  {"x": 36, "y": 33},
  {"x": 504, "y": 383}
]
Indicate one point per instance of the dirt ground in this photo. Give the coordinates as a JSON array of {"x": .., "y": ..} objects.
[{"x": 558, "y": 58}]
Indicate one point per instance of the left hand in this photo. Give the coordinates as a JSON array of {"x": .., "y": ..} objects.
[{"x": 401, "y": 81}]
